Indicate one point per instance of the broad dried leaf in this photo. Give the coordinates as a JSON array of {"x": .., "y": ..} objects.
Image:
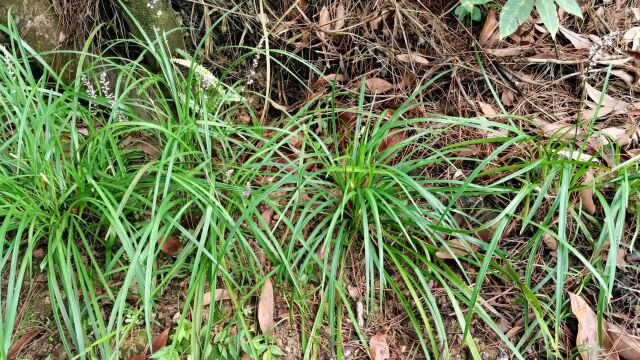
[
  {"x": 341, "y": 13},
  {"x": 392, "y": 140},
  {"x": 507, "y": 97},
  {"x": 587, "y": 338},
  {"x": 266, "y": 307},
  {"x": 327, "y": 79},
  {"x": 218, "y": 295},
  {"x": 267, "y": 215},
  {"x": 324, "y": 21},
  {"x": 550, "y": 241},
  {"x": 510, "y": 51},
  {"x": 586, "y": 195},
  {"x": 618, "y": 135},
  {"x": 627, "y": 346},
  {"x": 171, "y": 246},
  {"x": 378, "y": 86},
  {"x": 578, "y": 41},
  {"x": 160, "y": 341},
  {"x": 625, "y": 76},
  {"x": 486, "y": 37},
  {"x": 379, "y": 347},
  {"x": 617, "y": 105},
  {"x": 578, "y": 156},
  {"x": 413, "y": 58},
  {"x": 23, "y": 342},
  {"x": 631, "y": 35}
]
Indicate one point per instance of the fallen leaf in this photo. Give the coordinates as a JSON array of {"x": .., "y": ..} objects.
[
  {"x": 413, "y": 58},
  {"x": 586, "y": 195},
  {"x": 510, "y": 51},
  {"x": 558, "y": 129},
  {"x": 218, "y": 295},
  {"x": 323, "y": 22},
  {"x": 171, "y": 246},
  {"x": 160, "y": 341},
  {"x": 627, "y": 346},
  {"x": 391, "y": 140},
  {"x": 38, "y": 253},
  {"x": 587, "y": 338},
  {"x": 631, "y": 35},
  {"x": 550, "y": 241},
  {"x": 617, "y": 105},
  {"x": 486, "y": 37},
  {"x": 507, "y": 97},
  {"x": 487, "y": 109},
  {"x": 578, "y": 156},
  {"x": 621, "y": 258},
  {"x": 22, "y": 342},
  {"x": 354, "y": 292},
  {"x": 379, "y": 347},
  {"x": 625, "y": 76},
  {"x": 265, "y": 307},
  {"x": 578, "y": 41},
  {"x": 378, "y": 86},
  {"x": 341, "y": 13},
  {"x": 618, "y": 135},
  {"x": 457, "y": 247},
  {"x": 267, "y": 215}
]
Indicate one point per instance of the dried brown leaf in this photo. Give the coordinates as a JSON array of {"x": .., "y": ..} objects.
[
  {"x": 413, "y": 58},
  {"x": 617, "y": 105},
  {"x": 486, "y": 37},
  {"x": 266, "y": 307},
  {"x": 378, "y": 86},
  {"x": 578, "y": 41},
  {"x": 507, "y": 97},
  {"x": 627, "y": 346},
  {"x": 324, "y": 21},
  {"x": 392, "y": 140},
  {"x": 506, "y": 52},
  {"x": 633, "y": 34},
  {"x": 171, "y": 246},
  {"x": 586, "y": 195},
  {"x": 218, "y": 295},
  {"x": 379, "y": 347},
  {"x": 341, "y": 13},
  {"x": 621, "y": 258},
  {"x": 39, "y": 253},
  {"x": 160, "y": 341},
  {"x": 267, "y": 215},
  {"x": 22, "y": 342},
  {"x": 457, "y": 249},
  {"x": 487, "y": 109},
  {"x": 550, "y": 241},
  {"x": 587, "y": 338}
]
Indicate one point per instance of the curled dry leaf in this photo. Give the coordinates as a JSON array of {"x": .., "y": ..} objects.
[
  {"x": 323, "y": 22},
  {"x": 378, "y": 86},
  {"x": 160, "y": 341},
  {"x": 379, "y": 347},
  {"x": 489, "y": 35},
  {"x": 627, "y": 346},
  {"x": 341, "y": 13},
  {"x": 171, "y": 246},
  {"x": 586, "y": 195},
  {"x": 22, "y": 342},
  {"x": 413, "y": 58},
  {"x": 266, "y": 307},
  {"x": 587, "y": 337},
  {"x": 218, "y": 295}
]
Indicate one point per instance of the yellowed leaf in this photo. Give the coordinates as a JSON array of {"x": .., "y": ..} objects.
[
  {"x": 266, "y": 307},
  {"x": 379, "y": 347},
  {"x": 627, "y": 346},
  {"x": 587, "y": 337},
  {"x": 413, "y": 58},
  {"x": 486, "y": 37},
  {"x": 378, "y": 86},
  {"x": 341, "y": 13}
]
